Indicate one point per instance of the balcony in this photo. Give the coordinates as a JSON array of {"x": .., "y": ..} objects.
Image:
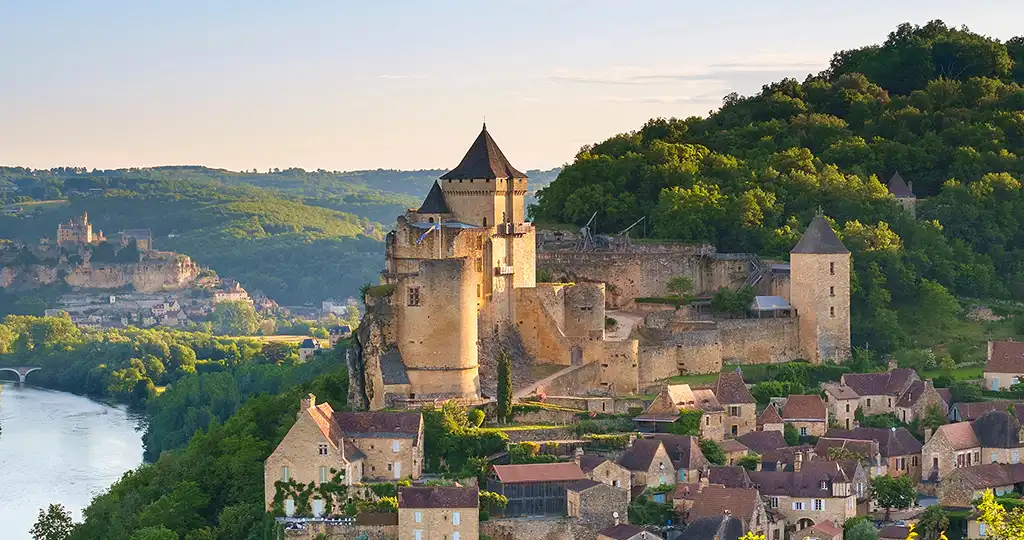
[
  {"x": 514, "y": 229},
  {"x": 504, "y": 270}
]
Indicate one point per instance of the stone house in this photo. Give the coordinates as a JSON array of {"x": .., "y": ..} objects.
[
  {"x": 879, "y": 392},
  {"x": 649, "y": 464},
  {"x": 308, "y": 348},
  {"x": 730, "y": 477},
  {"x": 686, "y": 455},
  {"x": 740, "y": 407},
  {"x": 900, "y": 451},
  {"x": 813, "y": 492},
  {"x": 665, "y": 408},
  {"x": 966, "y": 484},
  {"x": 807, "y": 414},
  {"x": 534, "y": 489},
  {"x": 721, "y": 527},
  {"x": 602, "y": 469},
  {"x": 743, "y": 504},
  {"x": 439, "y": 513},
  {"x": 596, "y": 503},
  {"x": 867, "y": 451},
  {"x": 324, "y": 446},
  {"x": 860, "y": 478},
  {"x": 734, "y": 451},
  {"x": 921, "y": 395},
  {"x": 770, "y": 420},
  {"x": 903, "y": 192},
  {"x": 625, "y": 531},
  {"x": 994, "y": 438},
  {"x": 842, "y": 402},
  {"x": 826, "y": 530},
  {"x": 760, "y": 442},
  {"x": 1005, "y": 364},
  {"x": 967, "y": 412}
]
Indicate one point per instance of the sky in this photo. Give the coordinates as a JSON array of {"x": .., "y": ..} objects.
[{"x": 345, "y": 85}]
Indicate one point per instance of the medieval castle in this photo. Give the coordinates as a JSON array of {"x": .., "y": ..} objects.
[{"x": 461, "y": 269}]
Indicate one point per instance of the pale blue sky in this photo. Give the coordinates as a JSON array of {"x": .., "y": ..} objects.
[{"x": 346, "y": 85}]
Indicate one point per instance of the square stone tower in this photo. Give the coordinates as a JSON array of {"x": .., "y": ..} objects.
[{"x": 819, "y": 289}]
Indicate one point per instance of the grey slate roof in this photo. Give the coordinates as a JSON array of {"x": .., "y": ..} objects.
[
  {"x": 434, "y": 203},
  {"x": 640, "y": 456},
  {"x": 713, "y": 528},
  {"x": 580, "y": 486},
  {"x": 997, "y": 429},
  {"x": 762, "y": 441},
  {"x": 898, "y": 188},
  {"x": 392, "y": 368},
  {"x": 484, "y": 160},
  {"x": 819, "y": 238}
]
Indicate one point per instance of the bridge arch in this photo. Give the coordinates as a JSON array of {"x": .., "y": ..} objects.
[{"x": 21, "y": 371}]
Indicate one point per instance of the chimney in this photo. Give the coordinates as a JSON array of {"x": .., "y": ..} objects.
[
  {"x": 307, "y": 403},
  {"x": 578, "y": 454},
  {"x": 632, "y": 438},
  {"x": 892, "y": 364},
  {"x": 927, "y": 434},
  {"x": 704, "y": 481},
  {"x": 728, "y": 513},
  {"x": 798, "y": 461}
]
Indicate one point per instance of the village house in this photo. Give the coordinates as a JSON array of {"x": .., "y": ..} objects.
[
  {"x": 730, "y": 477},
  {"x": 721, "y": 527},
  {"x": 994, "y": 438},
  {"x": 338, "y": 332},
  {"x": 760, "y": 442},
  {"x": 879, "y": 392},
  {"x": 324, "y": 446},
  {"x": 439, "y": 513},
  {"x": 649, "y": 464},
  {"x": 743, "y": 504},
  {"x": 1005, "y": 364},
  {"x": 769, "y": 420},
  {"x": 534, "y": 489},
  {"x": 734, "y": 451},
  {"x": 602, "y": 469},
  {"x": 921, "y": 395},
  {"x": 308, "y": 348},
  {"x": 903, "y": 192},
  {"x": 741, "y": 409},
  {"x": 837, "y": 449},
  {"x": 826, "y": 530},
  {"x": 625, "y": 531},
  {"x": 967, "y": 412},
  {"x": 900, "y": 451},
  {"x": 665, "y": 408},
  {"x": 813, "y": 492},
  {"x": 596, "y": 503},
  {"x": 842, "y": 402},
  {"x": 966, "y": 484},
  {"x": 686, "y": 455},
  {"x": 807, "y": 414}
]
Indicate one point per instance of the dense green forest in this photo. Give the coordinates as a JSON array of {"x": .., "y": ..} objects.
[{"x": 942, "y": 106}]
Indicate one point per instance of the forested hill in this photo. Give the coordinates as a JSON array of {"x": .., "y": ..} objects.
[{"x": 941, "y": 106}]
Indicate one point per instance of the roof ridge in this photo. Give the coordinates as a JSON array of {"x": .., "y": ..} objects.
[{"x": 483, "y": 160}]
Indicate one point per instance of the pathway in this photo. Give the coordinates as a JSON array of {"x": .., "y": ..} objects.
[
  {"x": 625, "y": 322},
  {"x": 526, "y": 391}
]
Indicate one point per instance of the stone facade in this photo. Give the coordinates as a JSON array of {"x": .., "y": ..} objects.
[
  {"x": 439, "y": 523},
  {"x": 820, "y": 292},
  {"x": 596, "y": 505},
  {"x": 842, "y": 404},
  {"x": 611, "y": 473}
]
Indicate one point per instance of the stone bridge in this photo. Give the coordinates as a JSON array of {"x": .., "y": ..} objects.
[{"x": 22, "y": 371}]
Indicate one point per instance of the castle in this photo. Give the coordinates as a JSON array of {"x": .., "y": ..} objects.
[
  {"x": 78, "y": 231},
  {"x": 461, "y": 270}
]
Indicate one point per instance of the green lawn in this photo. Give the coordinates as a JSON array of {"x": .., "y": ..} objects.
[
  {"x": 707, "y": 378},
  {"x": 961, "y": 374}
]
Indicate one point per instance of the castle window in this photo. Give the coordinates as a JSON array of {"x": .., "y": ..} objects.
[
  {"x": 478, "y": 290},
  {"x": 831, "y": 311},
  {"x": 831, "y": 291},
  {"x": 284, "y": 474},
  {"x": 414, "y": 296},
  {"x": 485, "y": 219},
  {"x": 322, "y": 449},
  {"x": 479, "y": 266},
  {"x": 431, "y": 220},
  {"x": 832, "y": 268},
  {"x": 323, "y": 475}
]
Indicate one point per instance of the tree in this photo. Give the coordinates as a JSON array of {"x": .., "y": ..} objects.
[
  {"x": 933, "y": 418},
  {"x": 965, "y": 392},
  {"x": 751, "y": 536},
  {"x": 712, "y": 452},
  {"x": 504, "y": 387},
  {"x": 681, "y": 287},
  {"x": 1002, "y": 525},
  {"x": 947, "y": 365},
  {"x": 890, "y": 492},
  {"x": 235, "y": 319},
  {"x": 476, "y": 417},
  {"x": 52, "y": 524},
  {"x": 933, "y": 523},
  {"x": 749, "y": 462},
  {"x": 791, "y": 435},
  {"x": 859, "y": 528},
  {"x": 155, "y": 533},
  {"x": 688, "y": 422}
]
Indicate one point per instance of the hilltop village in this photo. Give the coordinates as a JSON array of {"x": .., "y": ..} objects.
[{"x": 515, "y": 383}]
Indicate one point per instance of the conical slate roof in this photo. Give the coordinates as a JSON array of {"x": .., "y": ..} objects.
[
  {"x": 899, "y": 188},
  {"x": 484, "y": 160},
  {"x": 819, "y": 238},
  {"x": 434, "y": 203}
]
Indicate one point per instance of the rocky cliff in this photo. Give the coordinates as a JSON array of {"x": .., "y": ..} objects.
[{"x": 164, "y": 271}]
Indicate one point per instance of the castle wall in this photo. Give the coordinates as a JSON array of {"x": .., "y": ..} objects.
[
  {"x": 820, "y": 292},
  {"x": 638, "y": 275},
  {"x": 780, "y": 285},
  {"x": 539, "y": 315},
  {"x": 438, "y": 337},
  {"x": 759, "y": 341},
  {"x": 584, "y": 310},
  {"x": 689, "y": 353}
]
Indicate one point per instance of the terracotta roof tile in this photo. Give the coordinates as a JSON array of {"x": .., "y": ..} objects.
[
  {"x": 891, "y": 383},
  {"x": 538, "y": 472},
  {"x": 1005, "y": 357},
  {"x": 829, "y": 528},
  {"x": 769, "y": 416},
  {"x": 840, "y": 391},
  {"x": 732, "y": 445},
  {"x": 715, "y": 500},
  {"x": 960, "y": 435},
  {"x": 800, "y": 407},
  {"x": 730, "y": 389},
  {"x": 484, "y": 160},
  {"x": 438, "y": 497}
]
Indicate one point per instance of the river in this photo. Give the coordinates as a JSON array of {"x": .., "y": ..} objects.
[{"x": 58, "y": 448}]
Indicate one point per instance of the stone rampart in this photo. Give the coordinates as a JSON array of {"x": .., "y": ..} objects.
[
  {"x": 342, "y": 531},
  {"x": 759, "y": 341}
]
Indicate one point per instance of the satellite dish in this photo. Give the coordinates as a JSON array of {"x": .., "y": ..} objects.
[{"x": 615, "y": 514}]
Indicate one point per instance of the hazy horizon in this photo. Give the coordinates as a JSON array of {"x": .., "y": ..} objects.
[{"x": 402, "y": 85}]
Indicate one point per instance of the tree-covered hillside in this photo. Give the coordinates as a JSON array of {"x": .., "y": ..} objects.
[{"x": 941, "y": 106}]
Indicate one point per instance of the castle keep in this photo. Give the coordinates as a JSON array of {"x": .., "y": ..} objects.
[{"x": 460, "y": 273}]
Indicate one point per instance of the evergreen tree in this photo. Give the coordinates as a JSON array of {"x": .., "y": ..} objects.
[{"x": 504, "y": 387}]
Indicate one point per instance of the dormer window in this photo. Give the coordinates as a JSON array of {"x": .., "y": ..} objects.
[{"x": 824, "y": 485}]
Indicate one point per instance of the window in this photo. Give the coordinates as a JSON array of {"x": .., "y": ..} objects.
[
  {"x": 394, "y": 446},
  {"x": 890, "y": 402},
  {"x": 831, "y": 311},
  {"x": 774, "y": 502},
  {"x": 389, "y": 466},
  {"x": 322, "y": 449},
  {"x": 479, "y": 290},
  {"x": 734, "y": 411},
  {"x": 977, "y": 457},
  {"x": 803, "y": 432},
  {"x": 824, "y": 485},
  {"x": 819, "y": 505},
  {"x": 323, "y": 475},
  {"x": 456, "y": 518},
  {"x": 735, "y": 429},
  {"x": 798, "y": 506},
  {"x": 913, "y": 461},
  {"x": 418, "y": 517},
  {"x": 485, "y": 220},
  {"x": 707, "y": 420},
  {"x": 479, "y": 265},
  {"x": 682, "y": 475},
  {"x": 414, "y": 296},
  {"x": 658, "y": 498},
  {"x": 831, "y": 291},
  {"x": 847, "y": 407},
  {"x": 417, "y": 534},
  {"x": 284, "y": 474},
  {"x": 869, "y": 402},
  {"x": 456, "y": 536},
  {"x": 661, "y": 481},
  {"x": 901, "y": 464},
  {"x": 982, "y": 530},
  {"x": 832, "y": 268},
  {"x": 1014, "y": 456}
]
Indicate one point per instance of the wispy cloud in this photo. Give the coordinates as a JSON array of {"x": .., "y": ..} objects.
[
  {"x": 401, "y": 77},
  {"x": 665, "y": 100},
  {"x": 718, "y": 72}
]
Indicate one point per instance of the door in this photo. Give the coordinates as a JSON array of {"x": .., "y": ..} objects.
[
  {"x": 576, "y": 354},
  {"x": 995, "y": 383},
  {"x": 398, "y": 469}
]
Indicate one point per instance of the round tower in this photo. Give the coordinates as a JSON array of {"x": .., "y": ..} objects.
[{"x": 820, "y": 292}]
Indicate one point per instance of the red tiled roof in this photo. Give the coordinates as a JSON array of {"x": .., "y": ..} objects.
[
  {"x": 828, "y": 528},
  {"x": 769, "y": 416},
  {"x": 732, "y": 445},
  {"x": 715, "y": 500},
  {"x": 840, "y": 391},
  {"x": 960, "y": 435},
  {"x": 801, "y": 407},
  {"x": 1005, "y": 357},
  {"x": 538, "y": 472},
  {"x": 438, "y": 497}
]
